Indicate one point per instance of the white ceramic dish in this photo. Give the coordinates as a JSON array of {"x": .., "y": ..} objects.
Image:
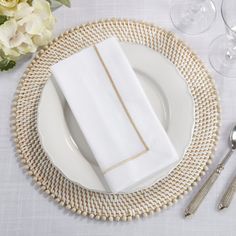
[{"x": 168, "y": 93}]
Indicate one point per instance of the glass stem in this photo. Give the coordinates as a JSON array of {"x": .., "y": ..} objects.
[{"x": 230, "y": 54}]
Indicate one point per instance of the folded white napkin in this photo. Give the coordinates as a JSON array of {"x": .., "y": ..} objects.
[{"x": 116, "y": 118}]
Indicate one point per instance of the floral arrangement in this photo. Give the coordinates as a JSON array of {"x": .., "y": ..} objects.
[{"x": 25, "y": 25}]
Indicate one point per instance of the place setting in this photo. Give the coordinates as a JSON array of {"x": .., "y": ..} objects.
[{"x": 119, "y": 119}]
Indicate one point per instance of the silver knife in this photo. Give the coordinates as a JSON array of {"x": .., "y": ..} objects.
[{"x": 228, "y": 195}]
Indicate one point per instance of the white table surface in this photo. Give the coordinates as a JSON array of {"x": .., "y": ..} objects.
[{"x": 24, "y": 211}]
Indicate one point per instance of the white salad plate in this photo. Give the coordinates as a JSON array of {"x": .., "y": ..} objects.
[{"x": 168, "y": 93}]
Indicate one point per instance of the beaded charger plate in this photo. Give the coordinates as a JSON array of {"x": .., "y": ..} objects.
[{"x": 123, "y": 206}]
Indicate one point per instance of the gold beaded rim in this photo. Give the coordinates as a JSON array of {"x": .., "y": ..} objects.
[{"x": 107, "y": 206}]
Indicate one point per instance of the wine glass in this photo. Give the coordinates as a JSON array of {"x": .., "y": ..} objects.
[
  {"x": 192, "y": 16},
  {"x": 222, "y": 52}
]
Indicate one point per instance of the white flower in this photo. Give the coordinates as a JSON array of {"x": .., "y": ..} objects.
[
  {"x": 23, "y": 9},
  {"x": 8, "y": 7},
  {"x": 8, "y": 3},
  {"x": 29, "y": 26},
  {"x": 7, "y": 32}
]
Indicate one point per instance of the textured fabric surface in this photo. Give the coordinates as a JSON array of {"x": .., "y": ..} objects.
[{"x": 24, "y": 211}]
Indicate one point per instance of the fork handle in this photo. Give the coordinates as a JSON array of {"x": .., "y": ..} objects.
[
  {"x": 198, "y": 198},
  {"x": 228, "y": 195}
]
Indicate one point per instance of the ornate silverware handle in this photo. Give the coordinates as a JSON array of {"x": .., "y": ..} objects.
[
  {"x": 198, "y": 198},
  {"x": 228, "y": 195}
]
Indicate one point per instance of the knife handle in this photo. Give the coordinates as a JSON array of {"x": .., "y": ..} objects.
[
  {"x": 228, "y": 195},
  {"x": 198, "y": 198}
]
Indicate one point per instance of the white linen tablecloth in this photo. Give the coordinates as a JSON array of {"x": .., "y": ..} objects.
[{"x": 24, "y": 211}]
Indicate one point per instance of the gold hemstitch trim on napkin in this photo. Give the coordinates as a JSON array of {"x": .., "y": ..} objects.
[
  {"x": 124, "y": 161},
  {"x": 128, "y": 115}
]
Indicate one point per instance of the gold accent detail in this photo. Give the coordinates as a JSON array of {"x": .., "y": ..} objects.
[
  {"x": 124, "y": 161},
  {"x": 127, "y": 113}
]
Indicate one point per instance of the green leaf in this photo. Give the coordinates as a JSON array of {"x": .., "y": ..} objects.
[
  {"x": 3, "y": 19},
  {"x": 64, "y": 2},
  {"x": 6, "y": 64}
]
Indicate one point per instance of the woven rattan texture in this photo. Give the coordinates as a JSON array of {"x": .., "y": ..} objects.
[{"x": 117, "y": 206}]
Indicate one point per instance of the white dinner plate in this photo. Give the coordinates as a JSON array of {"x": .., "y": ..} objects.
[{"x": 166, "y": 90}]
